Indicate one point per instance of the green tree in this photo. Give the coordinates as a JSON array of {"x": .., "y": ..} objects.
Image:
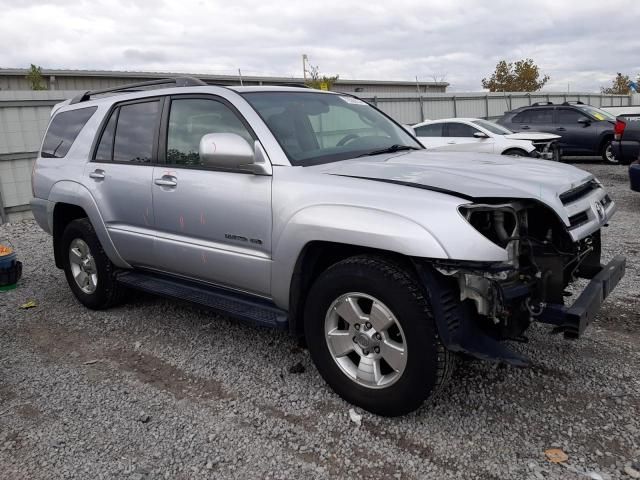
[
  {"x": 619, "y": 86},
  {"x": 315, "y": 80},
  {"x": 34, "y": 78},
  {"x": 520, "y": 76}
]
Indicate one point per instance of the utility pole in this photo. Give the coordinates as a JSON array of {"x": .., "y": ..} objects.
[
  {"x": 240, "y": 75},
  {"x": 304, "y": 66}
]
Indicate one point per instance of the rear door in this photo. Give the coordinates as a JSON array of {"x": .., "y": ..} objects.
[
  {"x": 576, "y": 137},
  {"x": 119, "y": 177},
  {"x": 431, "y": 135},
  {"x": 212, "y": 225},
  {"x": 459, "y": 137},
  {"x": 534, "y": 120}
]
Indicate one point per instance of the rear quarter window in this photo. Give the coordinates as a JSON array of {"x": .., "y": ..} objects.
[{"x": 63, "y": 131}]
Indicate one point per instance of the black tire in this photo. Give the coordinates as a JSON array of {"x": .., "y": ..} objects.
[
  {"x": 515, "y": 152},
  {"x": 428, "y": 365},
  {"x": 607, "y": 154},
  {"x": 108, "y": 291}
]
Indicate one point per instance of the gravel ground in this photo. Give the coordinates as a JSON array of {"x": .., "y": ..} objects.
[{"x": 158, "y": 389}]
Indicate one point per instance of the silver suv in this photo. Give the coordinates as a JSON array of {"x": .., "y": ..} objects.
[{"x": 315, "y": 212}]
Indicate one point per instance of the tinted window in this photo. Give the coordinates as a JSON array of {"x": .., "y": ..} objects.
[
  {"x": 135, "y": 132},
  {"x": 460, "y": 130},
  {"x": 191, "y": 119},
  {"x": 432, "y": 130},
  {"x": 568, "y": 115},
  {"x": 523, "y": 117},
  {"x": 105, "y": 147},
  {"x": 541, "y": 115},
  {"x": 63, "y": 131}
]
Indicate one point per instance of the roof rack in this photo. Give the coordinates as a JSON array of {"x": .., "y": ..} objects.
[
  {"x": 573, "y": 103},
  {"x": 292, "y": 84},
  {"x": 537, "y": 104},
  {"x": 137, "y": 87}
]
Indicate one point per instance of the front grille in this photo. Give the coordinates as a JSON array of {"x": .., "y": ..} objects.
[
  {"x": 577, "y": 193},
  {"x": 578, "y": 219}
]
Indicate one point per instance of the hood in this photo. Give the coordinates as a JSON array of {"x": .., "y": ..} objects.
[
  {"x": 533, "y": 136},
  {"x": 469, "y": 175}
]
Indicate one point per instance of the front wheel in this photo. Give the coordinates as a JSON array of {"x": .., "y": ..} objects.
[
  {"x": 515, "y": 152},
  {"x": 372, "y": 336},
  {"x": 607, "y": 153}
]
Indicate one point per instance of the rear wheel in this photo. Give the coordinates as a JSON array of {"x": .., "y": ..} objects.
[
  {"x": 372, "y": 336},
  {"x": 89, "y": 272},
  {"x": 607, "y": 153}
]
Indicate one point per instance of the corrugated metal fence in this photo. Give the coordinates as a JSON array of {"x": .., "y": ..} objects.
[
  {"x": 24, "y": 116},
  {"x": 416, "y": 108}
]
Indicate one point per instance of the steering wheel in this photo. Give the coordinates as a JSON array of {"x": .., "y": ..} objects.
[{"x": 346, "y": 138}]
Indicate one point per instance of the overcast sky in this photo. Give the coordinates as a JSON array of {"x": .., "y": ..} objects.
[{"x": 578, "y": 43}]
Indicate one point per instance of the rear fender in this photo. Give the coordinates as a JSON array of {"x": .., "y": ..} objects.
[{"x": 74, "y": 193}]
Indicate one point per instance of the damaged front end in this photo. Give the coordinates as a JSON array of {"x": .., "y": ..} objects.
[{"x": 498, "y": 301}]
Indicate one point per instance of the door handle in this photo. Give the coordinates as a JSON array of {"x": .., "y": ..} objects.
[
  {"x": 452, "y": 142},
  {"x": 97, "y": 175},
  {"x": 165, "y": 182},
  {"x": 561, "y": 129},
  {"x": 525, "y": 127}
]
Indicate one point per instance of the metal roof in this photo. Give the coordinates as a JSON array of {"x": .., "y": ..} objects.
[{"x": 207, "y": 77}]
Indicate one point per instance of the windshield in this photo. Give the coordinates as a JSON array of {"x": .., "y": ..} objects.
[
  {"x": 492, "y": 127},
  {"x": 314, "y": 128},
  {"x": 596, "y": 112}
]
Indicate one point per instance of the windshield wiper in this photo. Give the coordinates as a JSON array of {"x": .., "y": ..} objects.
[{"x": 392, "y": 149}]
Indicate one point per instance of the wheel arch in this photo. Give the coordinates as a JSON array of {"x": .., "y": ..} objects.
[
  {"x": 604, "y": 138},
  {"x": 315, "y": 258},
  {"x": 71, "y": 200},
  {"x": 523, "y": 152}
]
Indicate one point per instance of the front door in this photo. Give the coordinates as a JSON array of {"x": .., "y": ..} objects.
[
  {"x": 459, "y": 137},
  {"x": 576, "y": 137},
  {"x": 212, "y": 225},
  {"x": 119, "y": 178}
]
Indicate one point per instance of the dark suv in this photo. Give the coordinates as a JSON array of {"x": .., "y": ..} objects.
[{"x": 585, "y": 130}]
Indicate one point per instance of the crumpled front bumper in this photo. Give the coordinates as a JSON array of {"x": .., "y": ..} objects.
[
  {"x": 547, "y": 151},
  {"x": 574, "y": 319}
]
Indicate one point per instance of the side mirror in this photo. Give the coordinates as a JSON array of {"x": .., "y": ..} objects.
[
  {"x": 480, "y": 135},
  {"x": 584, "y": 121},
  {"x": 230, "y": 150}
]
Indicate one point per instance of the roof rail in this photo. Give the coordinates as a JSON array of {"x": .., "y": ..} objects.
[
  {"x": 292, "y": 84},
  {"x": 537, "y": 104},
  {"x": 578, "y": 102},
  {"x": 137, "y": 87}
]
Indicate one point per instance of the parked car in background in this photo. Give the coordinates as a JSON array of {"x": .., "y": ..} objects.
[
  {"x": 626, "y": 148},
  {"x": 585, "y": 130},
  {"x": 477, "y": 135}
]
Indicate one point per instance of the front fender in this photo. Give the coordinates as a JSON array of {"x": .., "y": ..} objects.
[
  {"x": 74, "y": 193},
  {"x": 349, "y": 225}
]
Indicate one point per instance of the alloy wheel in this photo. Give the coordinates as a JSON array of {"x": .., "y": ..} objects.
[
  {"x": 366, "y": 340},
  {"x": 83, "y": 266}
]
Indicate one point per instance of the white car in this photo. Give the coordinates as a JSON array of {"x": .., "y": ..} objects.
[{"x": 477, "y": 135}]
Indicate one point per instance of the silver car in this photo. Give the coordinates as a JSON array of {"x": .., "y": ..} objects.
[{"x": 315, "y": 212}]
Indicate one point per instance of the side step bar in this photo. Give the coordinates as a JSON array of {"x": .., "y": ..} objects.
[{"x": 248, "y": 309}]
